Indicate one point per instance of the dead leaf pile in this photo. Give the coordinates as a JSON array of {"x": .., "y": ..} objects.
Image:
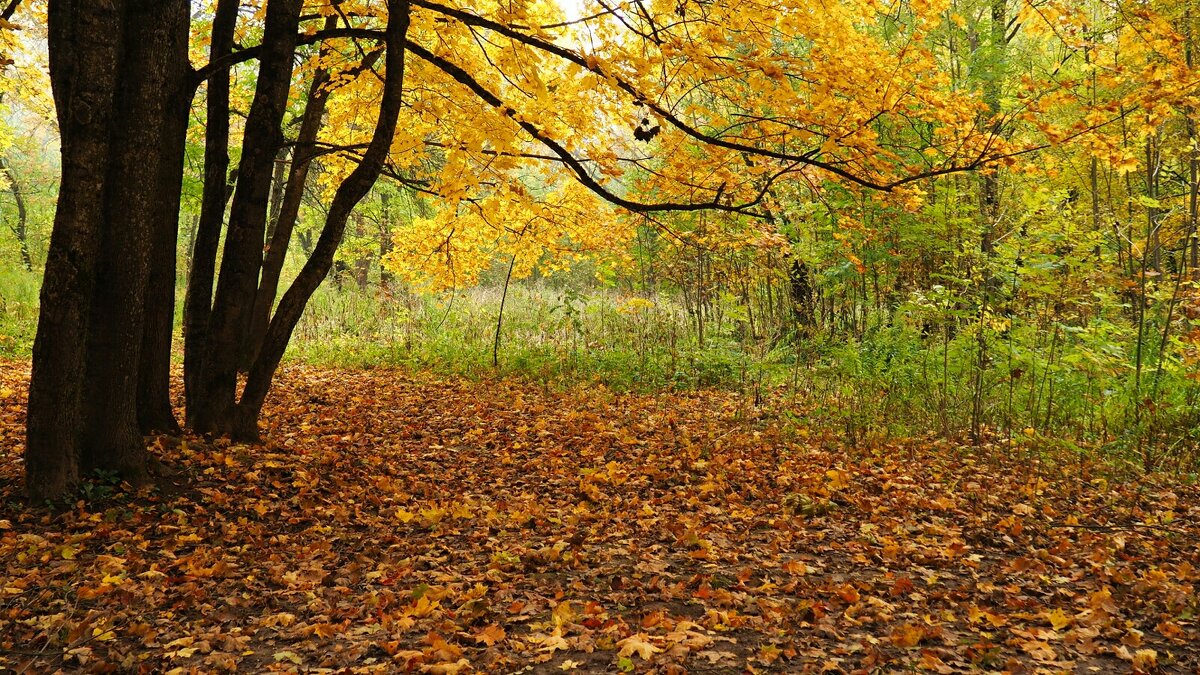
[{"x": 396, "y": 522}]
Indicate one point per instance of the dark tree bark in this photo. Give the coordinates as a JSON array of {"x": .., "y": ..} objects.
[
  {"x": 84, "y": 41},
  {"x": 242, "y": 258},
  {"x": 385, "y": 239},
  {"x": 990, "y": 193},
  {"x": 141, "y": 209},
  {"x": 289, "y": 208},
  {"x": 278, "y": 180},
  {"x": 197, "y": 307},
  {"x": 154, "y": 373},
  {"x": 114, "y": 65},
  {"x": 800, "y": 285},
  {"x": 347, "y": 196}
]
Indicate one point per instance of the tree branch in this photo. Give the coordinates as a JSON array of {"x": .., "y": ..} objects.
[
  {"x": 9, "y": 10},
  {"x": 250, "y": 53},
  {"x": 573, "y": 163},
  {"x": 470, "y": 19}
]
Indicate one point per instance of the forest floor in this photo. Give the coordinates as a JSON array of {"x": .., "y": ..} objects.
[{"x": 394, "y": 521}]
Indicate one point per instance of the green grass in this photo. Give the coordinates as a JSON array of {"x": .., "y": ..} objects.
[
  {"x": 896, "y": 378},
  {"x": 18, "y": 311},
  {"x": 893, "y": 380},
  {"x": 550, "y": 335}
]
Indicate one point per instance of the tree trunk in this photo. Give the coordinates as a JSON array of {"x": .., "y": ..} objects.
[
  {"x": 197, "y": 305},
  {"x": 278, "y": 180},
  {"x": 362, "y": 264},
  {"x": 84, "y": 44},
  {"x": 142, "y": 207},
  {"x": 385, "y": 240},
  {"x": 289, "y": 211},
  {"x": 154, "y": 372},
  {"x": 348, "y": 194},
  {"x": 243, "y": 252},
  {"x": 990, "y": 193},
  {"x": 1191, "y": 263},
  {"x": 21, "y": 229},
  {"x": 115, "y": 68}
]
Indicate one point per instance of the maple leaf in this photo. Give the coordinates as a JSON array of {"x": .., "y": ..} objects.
[
  {"x": 447, "y": 668},
  {"x": 1145, "y": 660},
  {"x": 552, "y": 642},
  {"x": 286, "y": 655},
  {"x": 838, "y": 479},
  {"x": 490, "y": 635},
  {"x": 1039, "y": 650},
  {"x": 1059, "y": 619},
  {"x": 907, "y": 635},
  {"x": 637, "y": 643}
]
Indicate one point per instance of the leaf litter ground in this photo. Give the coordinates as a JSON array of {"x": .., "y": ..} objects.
[{"x": 394, "y": 522}]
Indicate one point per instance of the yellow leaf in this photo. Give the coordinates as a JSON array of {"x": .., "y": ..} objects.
[
  {"x": 639, "y": 644},
  {"x": 1039, "y": 650},
  {"x": 1059, "y": 619},
  {"x": 551, "y": 642},
  {"x": 447, "y": 668},
  {"x": 1145, "y": 660},
  {"x": 424, "y": 606},
  {"x": 563, "y": 613},
  {"x": 907, "y": 635},
  {"x": 288, "y": 656}
]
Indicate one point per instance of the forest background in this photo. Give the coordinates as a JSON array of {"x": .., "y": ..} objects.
[
  {"x": 1050, "y": 292},
  {"x": 1053, "y": 292},
  {"x": 654, "y": 336}
]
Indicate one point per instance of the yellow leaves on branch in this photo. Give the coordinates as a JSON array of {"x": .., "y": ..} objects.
[
  {"x": 452, "y": 248},
  {"x": 841, "y": 83}
]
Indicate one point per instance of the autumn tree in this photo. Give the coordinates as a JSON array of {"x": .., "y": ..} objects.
[{"x": 650, "y": 108}]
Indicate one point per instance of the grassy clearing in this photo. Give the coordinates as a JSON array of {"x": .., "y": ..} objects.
[
  {"x": 905, "y": 375},
  {"x": 910, "y": 372},
  {"x": 547, "y": 334}
]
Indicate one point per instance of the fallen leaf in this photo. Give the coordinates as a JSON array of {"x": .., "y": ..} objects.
[{"x": 637, "y": 644}]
